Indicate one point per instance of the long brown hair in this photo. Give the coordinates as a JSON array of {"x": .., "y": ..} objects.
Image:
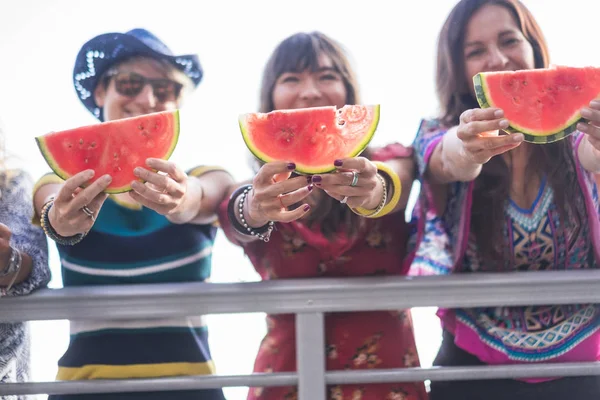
[
  {"x": 492, "y": 186},
  {"x": 298, "y": 53}
]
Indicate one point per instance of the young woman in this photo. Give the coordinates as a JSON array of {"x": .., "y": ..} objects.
[
  {"x": 160, "y": 232},
  {"x": 495, "y": 203},
  {"x": 319, "y": 232}
]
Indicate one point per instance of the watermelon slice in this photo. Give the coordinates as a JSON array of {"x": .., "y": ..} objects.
[
  {"x": 543, "y": 104},
  {"x": 313, "y": 138},
  {"x": 114, "y": 147}
]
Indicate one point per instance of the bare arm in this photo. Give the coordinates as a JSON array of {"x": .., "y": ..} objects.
[
  {"x": 43, "y": 194},
  {"x": 448, "y": 162},
  {"x": 589, "y": 147},
  {"x": 463, "y": 150},
  {"x": 589, "y": 156},
  {"x": 204, "y": 194}
]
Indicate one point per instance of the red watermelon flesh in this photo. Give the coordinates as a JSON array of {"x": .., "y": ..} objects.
[
  {"x": 543, "y": 104},
  {"x": 312, "y": 138},
  {"x": 114, "y": 147}
]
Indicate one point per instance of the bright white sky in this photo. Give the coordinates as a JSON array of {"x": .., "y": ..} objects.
[{"x": 391, "y": 43}]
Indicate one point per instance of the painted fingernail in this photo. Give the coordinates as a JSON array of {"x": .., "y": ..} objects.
[
  {"x": 587, "y": 113},
  {"x": 306, "y": 207},
  {"x": 310, "y": 187},
  {"x": 316, "y": 179},
  {"x": 338, "y": 163},
  {"x": 309, "y": 179},
  {"x": 291, "y": 166},
  {"x": 498, "y": 113},
  {"x": 503, "y": 123}
]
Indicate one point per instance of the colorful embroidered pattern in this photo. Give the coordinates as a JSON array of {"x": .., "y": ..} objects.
[{"x": 535, "y": 240}]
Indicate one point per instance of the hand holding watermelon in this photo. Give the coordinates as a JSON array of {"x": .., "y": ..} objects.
[
  {"x": 355, "y": 183},
  {"x": 592, "y": 127},
  {"x": 270, "y": 197},
  {"x": 164, "y": 191},
  {"x": 477, "y": 146},
  {"x": 67, "y": 215}
]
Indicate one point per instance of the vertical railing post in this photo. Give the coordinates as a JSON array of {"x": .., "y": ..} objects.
[{"x": 310, "y": 356}]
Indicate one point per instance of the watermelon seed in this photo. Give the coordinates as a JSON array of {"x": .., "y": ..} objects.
[
  {"x": 115, "y": 155},
  {"x": 93, "y": 144},
  {"x": 80, "y": 141},
  {"x": 140, "y": 127},
  {"x": 524, "y": 83}
]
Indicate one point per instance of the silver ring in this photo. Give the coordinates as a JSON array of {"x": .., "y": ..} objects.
[
  {"x": 88, "y": 212},
  {"x": 354, "y": 179},
  {"x": 344, "y": 200}
]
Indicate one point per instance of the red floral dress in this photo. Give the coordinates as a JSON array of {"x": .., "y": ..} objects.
[{"x": 355, "y": 340}]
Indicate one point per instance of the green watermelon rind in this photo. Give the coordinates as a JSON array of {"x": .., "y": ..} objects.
[
  {"x": 53, "y": 164},
  {"x": 312, "y": 170},
  {"x": 485, "y": 101}
]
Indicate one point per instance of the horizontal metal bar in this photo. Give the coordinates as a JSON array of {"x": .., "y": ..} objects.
[
  {"x": 286, "y": 379},
  {"x": 149, "y": 385},
  {"x": 463, "y": 373},
  {"x": 305, "y": 295}
]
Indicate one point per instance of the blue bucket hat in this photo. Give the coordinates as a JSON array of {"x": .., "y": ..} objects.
[{"x": 103, "y": 51}]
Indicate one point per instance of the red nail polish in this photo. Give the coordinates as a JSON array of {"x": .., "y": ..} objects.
[
  {"x": 338, "y": 163},
  {"x": 310, "y": 188},
  {"x": 291, "y": 166},
  {"x": 306, "y": 207}
]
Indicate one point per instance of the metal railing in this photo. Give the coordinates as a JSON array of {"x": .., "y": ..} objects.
[{"x": 309, "y": 300}]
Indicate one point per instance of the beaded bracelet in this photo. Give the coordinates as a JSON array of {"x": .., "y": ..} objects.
[
  {"x": 263, "y": 232},
  {"x": 396, "y": 185},
  {"x": 51, "y": 233}
]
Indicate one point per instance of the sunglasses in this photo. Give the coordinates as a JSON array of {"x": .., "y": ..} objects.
[{"x": 131, "y": 84}]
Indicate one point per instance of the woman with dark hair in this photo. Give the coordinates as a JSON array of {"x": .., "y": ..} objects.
[
  {"x": 493, "y": 203},
  {"x": 317, "y": 236}
]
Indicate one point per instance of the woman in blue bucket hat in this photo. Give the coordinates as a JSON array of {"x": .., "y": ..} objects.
[{"x": 162, "y": 231}]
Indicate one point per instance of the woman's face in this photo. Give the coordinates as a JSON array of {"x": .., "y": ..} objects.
[
  {"x": 136, "y": 88},
  {"x": 494, "y": 42},
  {"x": 324, "y": 87}
]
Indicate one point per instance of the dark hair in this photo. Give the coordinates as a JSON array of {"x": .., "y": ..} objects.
[
  {"x": 491, "y": 190},
  {"x": 297, "y": 53}
]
